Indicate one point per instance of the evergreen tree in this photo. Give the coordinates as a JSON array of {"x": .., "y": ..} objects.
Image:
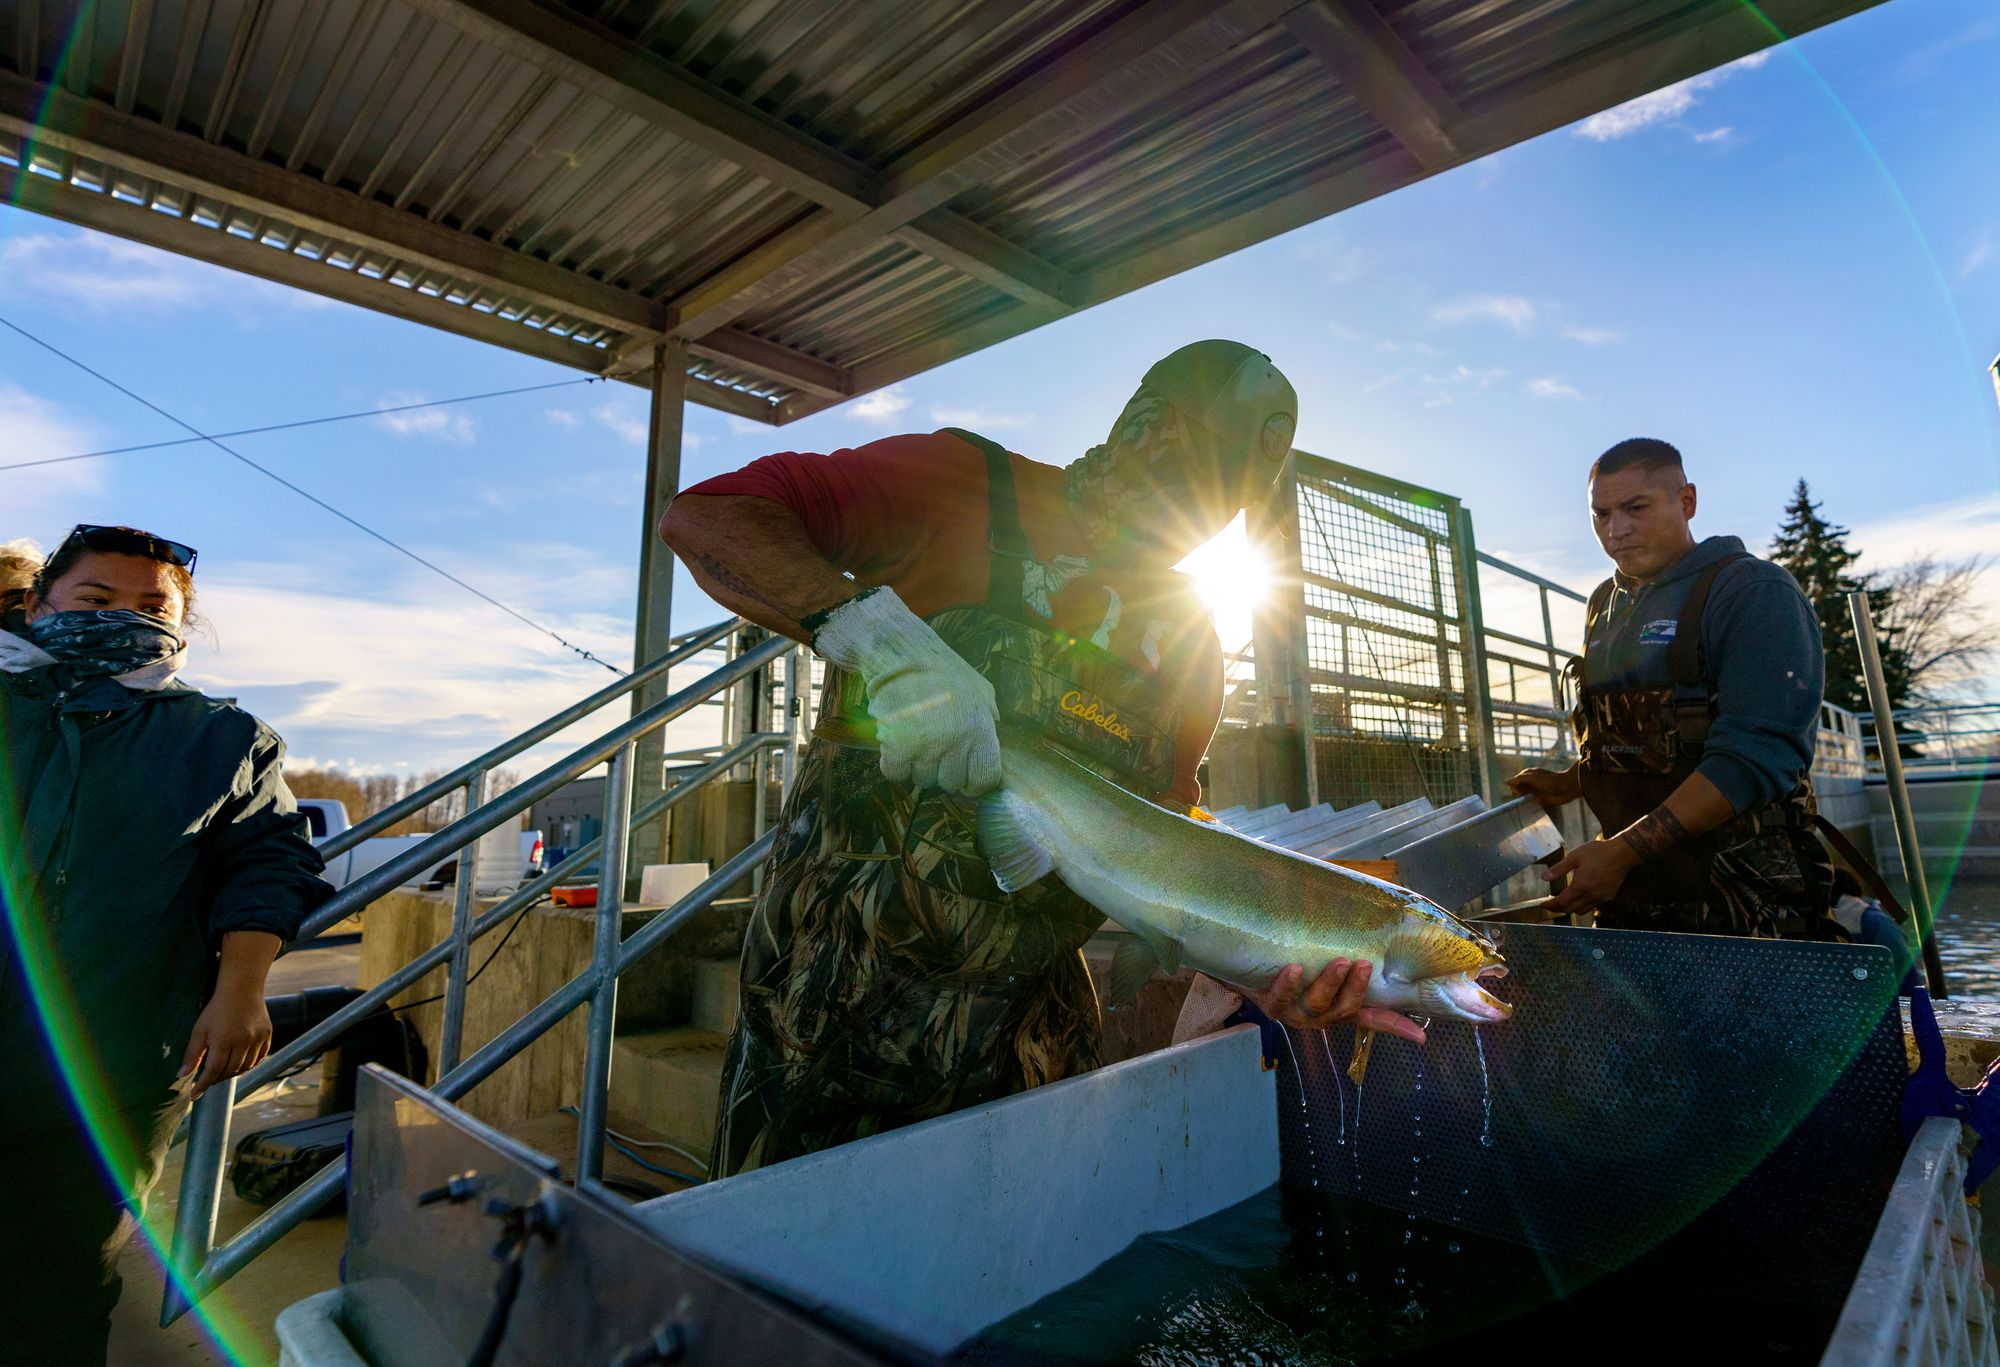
[{"x": 1817, "y": 554}]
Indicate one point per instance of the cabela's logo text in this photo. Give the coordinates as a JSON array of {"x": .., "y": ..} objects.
[{"x": 1076, "y": 705}]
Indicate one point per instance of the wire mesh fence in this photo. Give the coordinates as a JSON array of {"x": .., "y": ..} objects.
[{"x": 1376, "y": 608}]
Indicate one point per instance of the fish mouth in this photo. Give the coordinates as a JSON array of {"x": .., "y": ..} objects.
[{"x": 1461, "y": 995}]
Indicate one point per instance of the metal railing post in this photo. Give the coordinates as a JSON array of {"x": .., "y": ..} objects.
[
  {"x": 199, "y": 1265},
  {"x": 200, "y": 1197},
  {"x": 604, "y": 967},
  {"x": 1899, "y": 791},
  {"x": 461, "y": 948}
]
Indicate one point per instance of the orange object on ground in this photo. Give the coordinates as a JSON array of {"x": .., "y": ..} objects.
[{"x": 574, "y": 897}]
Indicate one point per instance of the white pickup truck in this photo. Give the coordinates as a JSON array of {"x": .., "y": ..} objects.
[{"x": 507, "y": 857}]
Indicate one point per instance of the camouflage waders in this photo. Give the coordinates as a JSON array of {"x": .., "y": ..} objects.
[
  {"x": 886, "y": 978},
  {"x": 1761, "y": 873}
]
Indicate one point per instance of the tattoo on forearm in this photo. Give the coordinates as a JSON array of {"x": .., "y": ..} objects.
[{"x": 1654, "y": 833}]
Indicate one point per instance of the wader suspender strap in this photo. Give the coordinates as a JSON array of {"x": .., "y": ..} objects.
[
  {"x": 1863, "y": 867},
  {"x": 1691, "y": 696},
  {"x": 1005, "y": 539}
]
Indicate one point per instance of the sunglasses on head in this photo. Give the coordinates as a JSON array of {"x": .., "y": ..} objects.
[{"x": 124, "y": 541}]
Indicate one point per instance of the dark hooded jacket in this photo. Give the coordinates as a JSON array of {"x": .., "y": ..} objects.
[{"x": 137, "y": 828}]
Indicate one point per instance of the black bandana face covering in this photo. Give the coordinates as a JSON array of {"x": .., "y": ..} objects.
[{"x": 100, "y": 644}]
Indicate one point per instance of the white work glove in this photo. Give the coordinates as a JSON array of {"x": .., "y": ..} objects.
[{"x": 934, "y": 714}]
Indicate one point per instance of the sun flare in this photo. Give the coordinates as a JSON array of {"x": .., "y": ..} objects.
[{"x": 1232, "y": 577}]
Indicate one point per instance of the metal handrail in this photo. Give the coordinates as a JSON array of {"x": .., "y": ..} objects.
[
  {"x": 395, "y": 872},
  {"x": 196, "y": 1265},
  {"x": 682, "y": 648}
]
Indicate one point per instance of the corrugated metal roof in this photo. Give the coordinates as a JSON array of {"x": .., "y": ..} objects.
[{"x": 821, "y": 197}]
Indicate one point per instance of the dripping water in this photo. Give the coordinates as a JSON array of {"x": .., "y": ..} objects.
[
  {"x": 1339, "y": 1087},
  {"x": 1305, "y": 1107},
  {"x": 1485, "y": 1092}
]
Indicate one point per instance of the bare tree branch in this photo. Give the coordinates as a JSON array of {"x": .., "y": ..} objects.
[{"x": 1935, "y": 611}]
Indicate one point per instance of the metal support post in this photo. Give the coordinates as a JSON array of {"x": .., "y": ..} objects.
[
  {"x": 656, "y": 578},
  {"x": 1555, "y": 666},
  {"x": 1899, "y": 791},
  {"x": 461, "y": 947},
  {"x": 201, "y": 1196},
  {"x": 1472, "y": 623},
  {"x": 604, "y": 967}
]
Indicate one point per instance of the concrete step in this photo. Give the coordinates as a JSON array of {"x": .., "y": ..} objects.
[
  {"x": 668, "y": 1081},
  {"x": 715, "y": 989}
]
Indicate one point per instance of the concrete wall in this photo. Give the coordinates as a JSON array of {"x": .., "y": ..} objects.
[{"x": 548, "y": 947}]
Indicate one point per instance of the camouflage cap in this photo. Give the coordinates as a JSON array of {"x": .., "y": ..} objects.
[{"x": 1239, "y": 398}]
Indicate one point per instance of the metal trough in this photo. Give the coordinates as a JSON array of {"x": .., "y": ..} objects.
[
  {"x": 1711, "y": 1113},
  {"x": 894, "y": 1248}
]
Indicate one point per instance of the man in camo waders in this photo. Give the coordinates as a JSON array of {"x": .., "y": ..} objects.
[
  {"x": 1696, "y": 710},
  {"x": 950, "y": 583}
]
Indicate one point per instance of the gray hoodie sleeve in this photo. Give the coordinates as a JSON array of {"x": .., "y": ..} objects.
[{"x": 1760, "y": 639}]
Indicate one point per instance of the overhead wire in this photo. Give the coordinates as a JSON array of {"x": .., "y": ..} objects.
[
  {"x": 302, "y": 422},
  {"x": 312, "y": 498}
]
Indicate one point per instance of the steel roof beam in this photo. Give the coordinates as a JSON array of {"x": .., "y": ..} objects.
[
  {"x": 733, "y": 346},
  {"x": 1501, "y": 119},
  {"x": 1158, "y": 48},
  {"x": 1380, "y": 73},
  {"x": 851, "y": 217},
  {"x": 105, "y": 213},
  {"x": 626, "y": 76},
  {"x": 91, "y": 129}
]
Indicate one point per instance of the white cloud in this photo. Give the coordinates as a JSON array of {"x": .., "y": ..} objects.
[
  {"x": 436, "y": 424},
  {"x": 1950, "y": 531},
  {"x": 1395, "y": 377},
  {"x": 1414, "y": 348},
  {"x": 411, "y": 673},
  {"x": 883, "y": 403},
  {"x": 1594, "y": 336},
  {"x": 106, "y": 274},
  {"x": 1919, "y": 65},
  {"x": 1343, "y": 332},
  {"x": 1513, "y": 310},
  {"x": 1984, "y": 248},
  {"x": 975, "y": 420},
  {"x": 1465, "y": 376},
  {"x": 32, "y": 428},
  {"x": 747, "y": 427},
  {"x": 1549, "y": 387},
  {"x": 564, "y": 418},
  {"x": 622, "y": 422},
  {"x": 1663, "y": 106},
  {"x": 1721, "y": 134},
  {"x": 1459, "y": 379}
]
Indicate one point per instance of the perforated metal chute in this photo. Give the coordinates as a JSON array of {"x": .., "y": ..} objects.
[{"x": 1739, "y": 1093}]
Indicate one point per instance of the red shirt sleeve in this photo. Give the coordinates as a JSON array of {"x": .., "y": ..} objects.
[{"x": 873, "y": 510}]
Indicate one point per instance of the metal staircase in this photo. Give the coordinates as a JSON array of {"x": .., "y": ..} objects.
[{"x": 752, "y": 734}]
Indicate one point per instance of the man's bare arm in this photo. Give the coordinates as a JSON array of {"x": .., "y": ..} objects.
[
  {"x": 754, "y": 557},
  {"x": 1596, "y": 871}
]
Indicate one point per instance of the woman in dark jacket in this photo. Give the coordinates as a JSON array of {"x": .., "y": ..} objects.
[{"x": 152, "y": 862}]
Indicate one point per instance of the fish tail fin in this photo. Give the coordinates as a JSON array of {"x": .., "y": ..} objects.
[{"x": 1013, "y": 854}]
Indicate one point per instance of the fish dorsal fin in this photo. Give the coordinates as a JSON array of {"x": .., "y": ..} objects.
[
  {"x": 1015, "y": 858},
  {"x": 1131, "y": 964}
]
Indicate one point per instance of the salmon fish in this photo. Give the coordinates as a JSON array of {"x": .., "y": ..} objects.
[{"x": 1239, "y": 910}]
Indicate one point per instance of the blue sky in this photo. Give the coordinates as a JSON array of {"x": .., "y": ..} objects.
[{"x": 1789, "y": 267}]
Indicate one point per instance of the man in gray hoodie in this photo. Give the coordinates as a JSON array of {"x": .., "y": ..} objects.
[{"x": 1695, "y": 706}]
